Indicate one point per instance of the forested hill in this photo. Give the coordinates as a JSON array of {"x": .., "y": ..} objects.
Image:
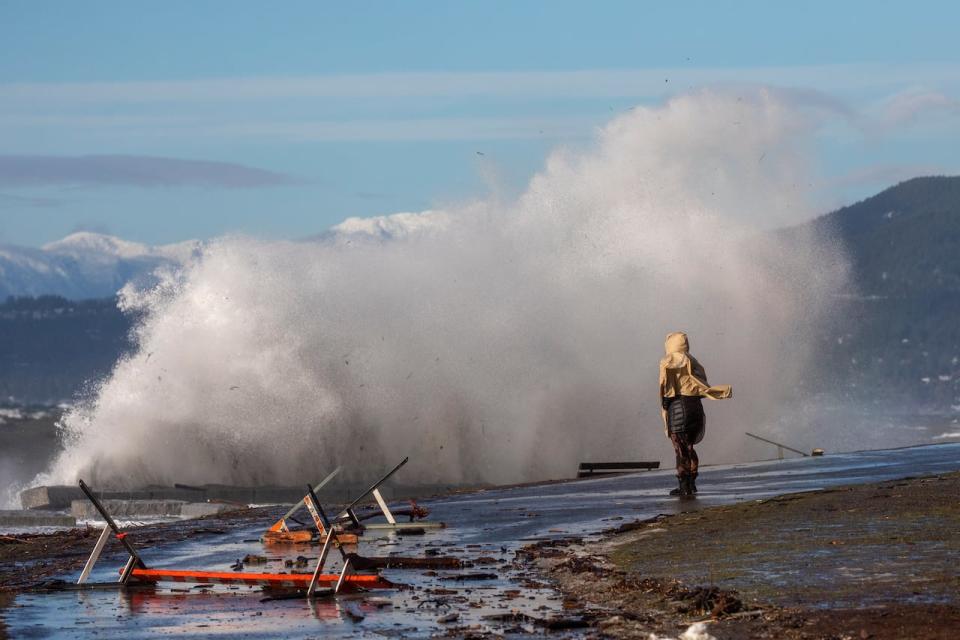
[
  {"x": 898, "y": 337},
  {"x": 905, "y": 240}
]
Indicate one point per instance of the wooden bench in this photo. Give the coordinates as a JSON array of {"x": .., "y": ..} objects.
[{"x": 590, "y": 469}]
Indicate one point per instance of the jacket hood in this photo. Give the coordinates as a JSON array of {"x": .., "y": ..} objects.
[{"x": 677, "y": 343}]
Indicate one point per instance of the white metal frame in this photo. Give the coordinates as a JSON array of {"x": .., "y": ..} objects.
[
  {"x": 391, "y": 522},
  {"x": 134, "y": 560},
  {"x": 282, "y": 522}
]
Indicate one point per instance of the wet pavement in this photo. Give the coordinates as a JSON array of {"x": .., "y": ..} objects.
[{"x": 485, "y": 529}]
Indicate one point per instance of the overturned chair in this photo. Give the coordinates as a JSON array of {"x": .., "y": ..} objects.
[
  {"x": 349, "y": 523},
  {"x": 136, "y": 570}
]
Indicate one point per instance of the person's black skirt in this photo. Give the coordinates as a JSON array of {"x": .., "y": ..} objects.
[{"x": 685, "y": 415}]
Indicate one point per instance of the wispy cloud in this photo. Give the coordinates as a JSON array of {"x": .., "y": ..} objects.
[
  {"x": 28, "y": 201},
  {"x": 404, "y": 106},
  {"x": 446, "y": 128},
  {"x": 138, "y": 171},
  {"x": 595, "y": 83},
  {"x": 908, "y": 107}
]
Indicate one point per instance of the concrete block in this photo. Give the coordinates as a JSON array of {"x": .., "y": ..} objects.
[
  {"x": 229, "y": 493},
  {"x": 84, "y": 509},
  {"x": 29, "y": 518},
  {"x": 62, "y": 497},
  {"x": 200, "y": 509},
  {"x": 53, "y": 497},
  {"x": 253, "y": 495},
  {"x": 156, "y": 493}
]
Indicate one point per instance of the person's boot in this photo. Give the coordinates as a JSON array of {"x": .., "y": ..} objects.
[
  {"x": 685, "y": 490},
  {"x": 693, "y": 483},
  {"x": 679, "y": 490}
]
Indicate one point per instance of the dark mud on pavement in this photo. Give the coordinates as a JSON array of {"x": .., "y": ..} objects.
[{"x": 868, "y": 561}]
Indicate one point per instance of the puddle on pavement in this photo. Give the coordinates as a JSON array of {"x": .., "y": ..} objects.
[{"x": 185, "y": 610}]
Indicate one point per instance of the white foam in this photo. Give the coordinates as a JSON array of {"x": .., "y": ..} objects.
[
  {"x": 696, "y": 631},
  {"x": 494, "y": 341}
]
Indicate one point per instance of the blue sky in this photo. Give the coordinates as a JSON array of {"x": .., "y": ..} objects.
[{"x": 281, "y": 120}]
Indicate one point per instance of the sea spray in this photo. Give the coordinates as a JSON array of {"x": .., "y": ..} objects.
[{"x": 495, "y": 341}]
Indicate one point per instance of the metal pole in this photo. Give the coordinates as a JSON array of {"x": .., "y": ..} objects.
[
  {"x": 128, "y": 570},
  {"x": 383, "y": 507},
  {"x": 322, "y": 561},
  {"x": 331, "y": 532},
  {"x": 299, "y": 505},
  {"x": 92, "y": 560},
  {"x": 113, "y": 525},
  {"x": 776, "y": 444},
  {"x": 331, "y": 537},
  {"x": 349, "y": 509}
]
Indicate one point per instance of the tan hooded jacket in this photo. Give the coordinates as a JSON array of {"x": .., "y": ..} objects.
[{"x": 681, "y": 373}]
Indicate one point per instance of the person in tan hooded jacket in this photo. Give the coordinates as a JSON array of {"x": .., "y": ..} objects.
[{"x": 683, "y": 382}]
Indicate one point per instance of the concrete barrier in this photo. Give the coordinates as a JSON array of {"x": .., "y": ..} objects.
[
  {"x": 200, "y": 509},
  {"x": 35, "y": 519},
  {"x": 53, "y": 497},
  {"x": 62, "y": 497},
  {"x": 123, "y": 509},
  {"x": 84, "y": 509}
]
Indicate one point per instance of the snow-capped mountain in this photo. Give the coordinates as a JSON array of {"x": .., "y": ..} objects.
[
  {"x": 84, "y": 265},
  {"x": 94, "y": 265},
  {"x": 385, "y": 228}
]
